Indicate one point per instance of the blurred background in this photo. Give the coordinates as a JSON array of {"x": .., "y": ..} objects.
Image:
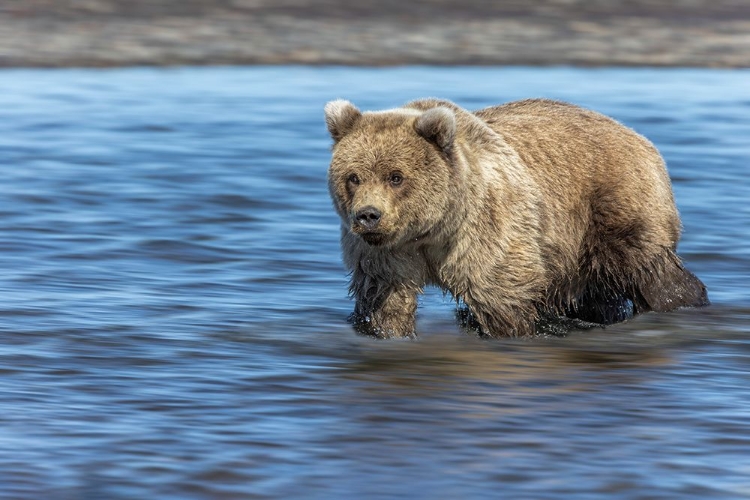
[{"x": 582, "y": 32}]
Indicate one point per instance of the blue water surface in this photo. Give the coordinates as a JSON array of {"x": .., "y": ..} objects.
[{"x": 173, "y": 303}]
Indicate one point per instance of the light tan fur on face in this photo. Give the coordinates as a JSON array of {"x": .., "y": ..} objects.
[{"x": 532, "y": 208}]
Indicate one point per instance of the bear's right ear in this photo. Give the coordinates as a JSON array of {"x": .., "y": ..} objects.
[
  {"x": 341, "y": 116},
  {"x": 438, "y": 125}
]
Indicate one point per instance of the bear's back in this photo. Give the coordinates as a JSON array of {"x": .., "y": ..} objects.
[
  {"x": 583, "y": 160},
  {"x": 556, "y": 139}
]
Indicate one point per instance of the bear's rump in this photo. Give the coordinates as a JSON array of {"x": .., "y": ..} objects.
[{"x": 610, "y": 226}]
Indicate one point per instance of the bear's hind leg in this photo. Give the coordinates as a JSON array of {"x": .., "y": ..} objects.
[
  {"x": 661, "y": 285},
  {"x": 603, "y": 306},
  {"x": 665, "y": 285}
]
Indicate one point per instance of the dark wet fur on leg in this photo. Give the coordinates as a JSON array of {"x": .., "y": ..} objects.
[
  {"x": 662, "y": 285},
  {"x": 560, "y": 326},
  {"x": 601, "y": 309},
  {"x": 666, "y": 285},
  {"x": 546, "y": 324},
  {"x": 363, "y": 325},
  {"x": 467, "y": 320}
]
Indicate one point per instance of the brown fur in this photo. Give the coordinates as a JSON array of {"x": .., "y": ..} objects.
[{"x": 529, "y": 209}]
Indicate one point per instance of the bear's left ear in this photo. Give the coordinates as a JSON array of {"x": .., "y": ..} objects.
[
  {"x": 438, "y": 125},
  {"x": 341, "y": 116}
]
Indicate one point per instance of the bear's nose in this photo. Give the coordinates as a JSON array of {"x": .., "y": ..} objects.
[{"x": 368, "y": 217}]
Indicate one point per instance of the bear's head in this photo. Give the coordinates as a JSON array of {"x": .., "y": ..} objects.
[{"x": 391, "y": 171}]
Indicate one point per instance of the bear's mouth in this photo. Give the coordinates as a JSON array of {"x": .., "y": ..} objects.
[{"x": 373, "y": 238}]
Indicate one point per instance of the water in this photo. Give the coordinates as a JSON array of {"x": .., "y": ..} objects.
[{"x": 173, "y": 304}]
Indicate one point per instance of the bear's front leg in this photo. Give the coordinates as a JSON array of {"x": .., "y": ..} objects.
[
  {"x": 390, "y": 314},
  {"x": 499, "y": 319}
]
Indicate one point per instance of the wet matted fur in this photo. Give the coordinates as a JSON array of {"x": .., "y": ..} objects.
[{"x": 524, "y": 211}]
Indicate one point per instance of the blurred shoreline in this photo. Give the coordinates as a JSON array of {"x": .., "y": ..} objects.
[{"x": 106, "y": 33}]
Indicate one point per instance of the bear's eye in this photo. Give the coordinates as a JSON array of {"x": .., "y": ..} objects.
[
  {"x": 396, "y": 178},
  {"x": 353, "y": 179}
]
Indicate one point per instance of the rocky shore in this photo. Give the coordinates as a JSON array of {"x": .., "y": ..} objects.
[{"x": 63, "y": 33}]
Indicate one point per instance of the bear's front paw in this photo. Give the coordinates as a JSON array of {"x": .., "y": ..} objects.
[{"x": 391, "y": 328}]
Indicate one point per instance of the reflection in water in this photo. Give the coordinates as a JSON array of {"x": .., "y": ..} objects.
[{"x": 174, "y": 306}]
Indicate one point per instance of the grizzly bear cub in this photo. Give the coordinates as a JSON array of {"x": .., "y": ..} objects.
[{"x": 529, "y": 210}]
